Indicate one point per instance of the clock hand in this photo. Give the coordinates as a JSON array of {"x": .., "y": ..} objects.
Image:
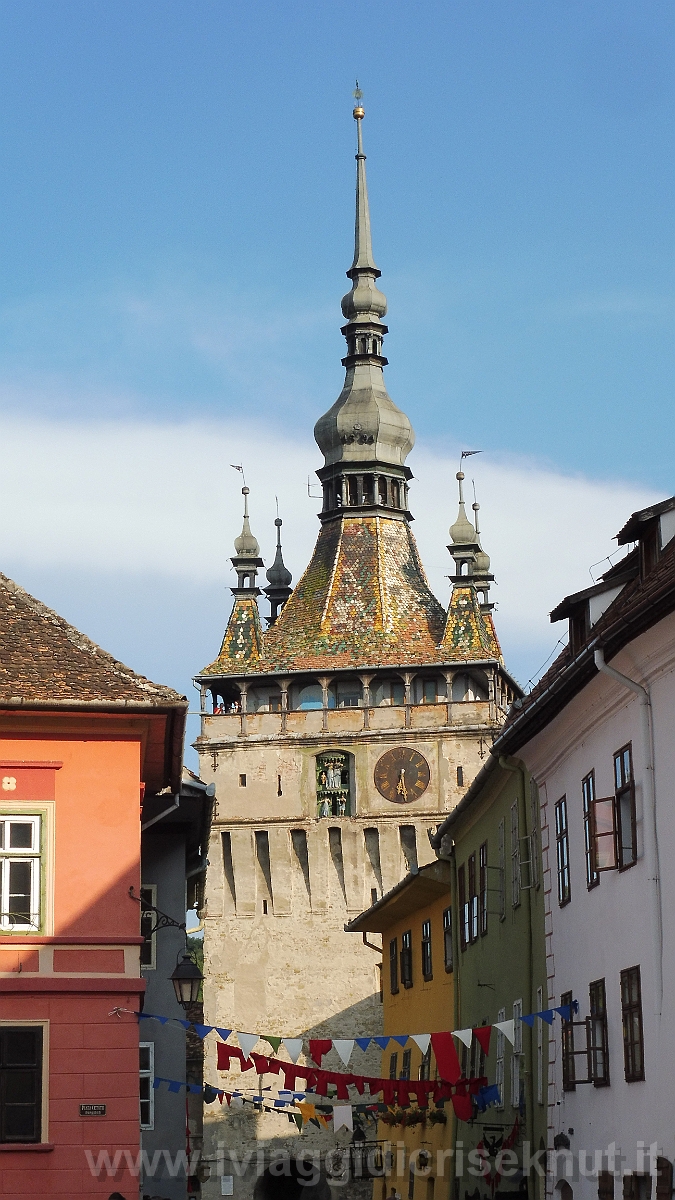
[{"x": 400, "y": 787}]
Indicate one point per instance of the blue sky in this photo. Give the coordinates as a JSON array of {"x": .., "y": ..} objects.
[{"x": 176, "y": 212}]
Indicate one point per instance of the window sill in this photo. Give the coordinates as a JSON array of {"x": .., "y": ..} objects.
[{"x": 35, "y": 1147}]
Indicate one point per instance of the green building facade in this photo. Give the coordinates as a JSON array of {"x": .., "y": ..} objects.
[{"x": 492, "y": 840}]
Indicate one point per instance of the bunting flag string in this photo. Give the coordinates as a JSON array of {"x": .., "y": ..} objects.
[{"x": 318, "y": 1048}]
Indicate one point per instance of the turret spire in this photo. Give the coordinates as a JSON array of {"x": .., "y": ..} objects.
[{"x": 279, "y": 578}]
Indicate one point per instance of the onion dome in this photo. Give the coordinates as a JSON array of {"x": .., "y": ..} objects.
[{"x": 462, "y": 532}]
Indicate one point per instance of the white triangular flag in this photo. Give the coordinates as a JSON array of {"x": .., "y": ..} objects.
[
  {"x": 464, "y": 1035},
  {"x": 344, "y": 1049},
  {"x": 422, "y": 1040},
  {"x": 342, "y": 1115},
  {"x": 294, "y": 1047},
  {"x": 508, "y": 1029},
  {"x": 247, "y": 1041}
]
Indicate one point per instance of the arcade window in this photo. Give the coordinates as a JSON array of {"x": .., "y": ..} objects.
[
  {"x": 20, "y": 1083},
  {"x": 20, "y": 872}
]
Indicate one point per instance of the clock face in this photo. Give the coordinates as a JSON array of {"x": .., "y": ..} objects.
[{"x": 402, "y": 775}]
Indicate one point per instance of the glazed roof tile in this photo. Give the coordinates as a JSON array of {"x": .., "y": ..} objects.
[
  {"x": 363, "y": 600},
  {"x": 44, "y": 660}
]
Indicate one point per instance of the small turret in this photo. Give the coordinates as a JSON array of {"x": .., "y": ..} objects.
[
  {"x": 247, "y": 558},
  {"x": 279, "y": 578},
  {"x": 464, "y": 544},
  {"x": 481, "y": 568}
]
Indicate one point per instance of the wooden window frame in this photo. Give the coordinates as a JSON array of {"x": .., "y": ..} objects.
[
  {"x": 406, "y": 959},
  {"x": 448, "y": 948},
  {"x": 40, "y": 1070},
  {"x": 427, "y": 956},
  {"x": 624, "y": 793},
  {"x": 587, "y": 803},
  {"x": 631, "y": 1020},
  {"x": 516, "y": 1053},
  {"x": 393, "y": 966},
  {"x": 406, "y": 1065},
  {"x": 483, "y": 889},
  {"x": 501, "y": 866},
  {"x": 535, "y": 873},
  {"x": 393, "y": 1065},
  {"x": 598, "y": 1033},
  {"x": 562, "y": 847},
  {"x": 567, "y": 1045}
]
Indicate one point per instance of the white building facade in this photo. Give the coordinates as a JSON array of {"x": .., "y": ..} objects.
[{"x": 597, "y": 736}]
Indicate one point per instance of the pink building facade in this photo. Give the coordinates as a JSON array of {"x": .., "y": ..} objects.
[{"x": 597, "y": 735}]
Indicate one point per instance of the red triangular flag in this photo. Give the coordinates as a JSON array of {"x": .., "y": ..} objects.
[
  {"x": 318, "y": 1047},
  {"x": 447, "y": 1059},
  {"x": 482, "y": 1035},
  {"x": 463, "y": 1107}
]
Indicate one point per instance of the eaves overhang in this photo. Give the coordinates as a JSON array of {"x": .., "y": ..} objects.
[{"x": 421, "y": 886}]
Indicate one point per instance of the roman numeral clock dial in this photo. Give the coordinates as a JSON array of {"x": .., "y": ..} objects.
[{"x": 402, "y": 775}]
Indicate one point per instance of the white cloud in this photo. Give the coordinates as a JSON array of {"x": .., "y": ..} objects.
[{"x": 161, "y": 500}]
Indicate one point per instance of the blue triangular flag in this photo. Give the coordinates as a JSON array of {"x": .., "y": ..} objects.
[
  {"x": 401, "y": 1040},
  {"x": 565, "y": 1011},
  {"x": 156, "y": 1081},
  {"x": 224, "y": 1033},
  {"x": 546, "y": 1015},
  {"x": 194, "y": 1088},
  {"x": 529, "y": 1019},
  {"x": 202, "y": 1030},
  {"x": 185, "y": 1024},
  {"x": 174, "y": 1085},
  {"x": 382, "y": 1042},
  {"x": 363, "y": 1043}
]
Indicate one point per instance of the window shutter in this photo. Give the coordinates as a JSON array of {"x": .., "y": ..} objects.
[
  {"x": 605, "y": 1185},
  {"x": 664, "y": 1179}
]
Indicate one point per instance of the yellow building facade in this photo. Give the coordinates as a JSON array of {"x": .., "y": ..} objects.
[{"x": 415, "y": 920}]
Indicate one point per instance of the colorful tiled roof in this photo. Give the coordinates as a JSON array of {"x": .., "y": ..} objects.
[
  {"x": 469, "y": 633},
  {"x": 364, "y": 600},
  {"x": 44, "y": 660}
]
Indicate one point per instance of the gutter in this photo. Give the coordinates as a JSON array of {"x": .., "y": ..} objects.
[
  {"x": 651, "y": 824},
  {"x": 165, "y": 813}
]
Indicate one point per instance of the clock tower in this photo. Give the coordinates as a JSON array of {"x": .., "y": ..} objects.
[{"x": 342, "y": 733}]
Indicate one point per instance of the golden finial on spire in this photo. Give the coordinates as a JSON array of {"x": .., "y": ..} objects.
[{"x": 359, "y": 111}]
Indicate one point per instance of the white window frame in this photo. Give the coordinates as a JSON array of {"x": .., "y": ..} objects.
[
  {"x": 515, "y": 855},
  {"x": 501, "y": 846},
  {"x": 150, "y": 1076},
  {"x": 499, "y": 1068},
  {"x": 540, "y": 1048},
  {"x": 9, "y": 855},
  {"x": 151, "y": 897},
  {"x": 517, "y": 1054}
]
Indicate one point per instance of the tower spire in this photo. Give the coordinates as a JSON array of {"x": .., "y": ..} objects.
[
  {"x": 363, "y": 248},
  {"x": 364, "y": 430}
]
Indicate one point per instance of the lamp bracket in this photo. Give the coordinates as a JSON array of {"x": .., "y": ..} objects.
[{"x": 163, "y": 920}]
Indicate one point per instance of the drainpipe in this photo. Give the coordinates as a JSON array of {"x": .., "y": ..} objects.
[{"x": 651, "y": 834}]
